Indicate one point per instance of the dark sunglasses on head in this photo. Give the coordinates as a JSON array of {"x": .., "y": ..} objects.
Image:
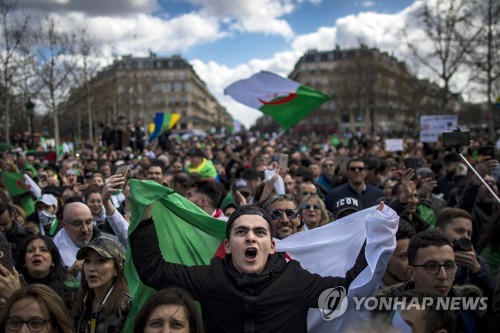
[
  {"x": 307, "y": 206},
  {"x": 356, "y": 168},
  {"x": 278, "y": 213}
]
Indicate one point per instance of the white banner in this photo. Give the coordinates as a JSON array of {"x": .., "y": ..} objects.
[
  {"x": 431, "y": 127},
  {"x": 394, "y": 145}
]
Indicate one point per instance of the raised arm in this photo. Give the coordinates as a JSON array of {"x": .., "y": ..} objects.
[{"x": 154, "y": 270}]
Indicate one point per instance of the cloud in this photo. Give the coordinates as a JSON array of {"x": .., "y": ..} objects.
[
  {"x": 262, "y": 16},
  {"x": 90, "y": 7},
  {"x": 373, "y": 29},
  {"x": 139, "y": 33},
  {"x": 368, "y": 4}
]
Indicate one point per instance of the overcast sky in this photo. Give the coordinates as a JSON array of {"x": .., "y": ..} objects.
[{"x": 227, "y": 40}]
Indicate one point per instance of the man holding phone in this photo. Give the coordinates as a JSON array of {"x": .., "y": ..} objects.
[{"x": 78, "y": 225}]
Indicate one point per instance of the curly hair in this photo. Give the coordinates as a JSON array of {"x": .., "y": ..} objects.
[{"x": 425, "y": 239}]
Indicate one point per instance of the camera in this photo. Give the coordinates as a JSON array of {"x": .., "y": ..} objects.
[
  {"x": 462, "y": 244},
  {"x": 456, "y": 138}
]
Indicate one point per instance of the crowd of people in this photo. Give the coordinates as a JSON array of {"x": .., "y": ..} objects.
[{"x": 66, "y": 272}]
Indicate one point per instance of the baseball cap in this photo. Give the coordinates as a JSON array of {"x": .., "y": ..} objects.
[
  {"x": 425, "y": 172},
  {"x": 344, "y": 205},
  {"x": 48, "y": 199},
  {"x": 72, "y": 172},
  {"x": 241, "y": 185},
  {"x": 106, "y": 247}
]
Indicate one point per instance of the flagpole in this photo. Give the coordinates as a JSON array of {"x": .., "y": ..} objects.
[{"x": 277, "y": 136}]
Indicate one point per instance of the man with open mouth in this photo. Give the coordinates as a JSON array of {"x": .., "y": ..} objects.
[{"x": 253, "y": 289}]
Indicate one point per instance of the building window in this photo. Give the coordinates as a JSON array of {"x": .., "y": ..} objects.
[
  {"x": 184, "y": 113},
  {"x": 159, "y": 87},
  {"x": 172, "y": 86},
  {"x": 346, "y": 118}
]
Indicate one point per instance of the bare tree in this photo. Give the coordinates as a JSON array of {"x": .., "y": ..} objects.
[
  {"x": 447, "y": 36},
  {"x": 485, "y": 58},
  {"x": 86, "y": 54},
  {"x": 11, "y": 43},
  {"x": 53, "y": 65}
]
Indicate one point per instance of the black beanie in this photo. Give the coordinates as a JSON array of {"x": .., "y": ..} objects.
[{"x": 247, "y": 210}]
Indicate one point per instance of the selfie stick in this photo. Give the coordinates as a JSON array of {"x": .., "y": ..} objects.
[{"x": 480, "y": 178}]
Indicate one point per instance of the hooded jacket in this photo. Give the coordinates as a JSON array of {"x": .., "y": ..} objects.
[{"x": 238, "y": 302}]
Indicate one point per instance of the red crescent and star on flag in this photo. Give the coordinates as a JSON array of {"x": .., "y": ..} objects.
[
  {"x": 22, "y": 184},
  {"x": 275, "y": 99}
]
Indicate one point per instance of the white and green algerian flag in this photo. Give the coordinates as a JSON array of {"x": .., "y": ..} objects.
[{"x": 284, "y": 100}]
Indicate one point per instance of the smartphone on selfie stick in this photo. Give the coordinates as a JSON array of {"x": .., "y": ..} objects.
[{"x": 459, "y": 139}]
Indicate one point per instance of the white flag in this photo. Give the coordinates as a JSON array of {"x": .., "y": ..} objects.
[{"x": 332, "y": 250}]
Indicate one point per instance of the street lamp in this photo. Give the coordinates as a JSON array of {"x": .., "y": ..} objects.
[
  {"x": 371, "y": 109},
  {"x": 30, "y": 112}
]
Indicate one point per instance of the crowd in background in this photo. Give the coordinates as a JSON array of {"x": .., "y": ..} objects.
[{"x": 74, "y": 239}]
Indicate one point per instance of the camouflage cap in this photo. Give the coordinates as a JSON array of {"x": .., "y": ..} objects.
[{"x": 106, "y": 248}]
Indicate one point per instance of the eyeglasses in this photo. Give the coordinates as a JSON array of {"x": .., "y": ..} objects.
[
  {"x": 278, "y": 213},
  {"x": 307, "y": 207},
  {"x": 80, "y": 224},
  {"x": 307, "y": 193},
  {"x": 356, "y": 168},
  {"x": 433, "y": 267},
  {"x": 15, "y": 323}
]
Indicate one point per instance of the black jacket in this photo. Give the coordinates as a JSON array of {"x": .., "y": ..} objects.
[
  {"x": 416, "y": 220},
  {"x": 369, "y": 197},
  {"x": 16, "y": 237},
  {"x": 275, "y": 300}
]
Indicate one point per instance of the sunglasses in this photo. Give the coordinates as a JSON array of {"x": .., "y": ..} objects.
[
  {"x": 278, "y": 213},
  {"x": 356, "y": 168},
  {"x": 307, "y": 193},
  {"x": 307, "y": 207}
]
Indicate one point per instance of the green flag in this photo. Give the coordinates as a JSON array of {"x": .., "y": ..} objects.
[
  {"x": 15, "y": 182},
  {"x": 27, "y": 203},
  {"x": 284, "y": 100},
  {"x": 186, "y": 234}
]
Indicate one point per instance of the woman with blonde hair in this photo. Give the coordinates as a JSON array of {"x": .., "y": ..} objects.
[
  {"x": 38, "y": 308},
  {"x": 313, "y": 212}
]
